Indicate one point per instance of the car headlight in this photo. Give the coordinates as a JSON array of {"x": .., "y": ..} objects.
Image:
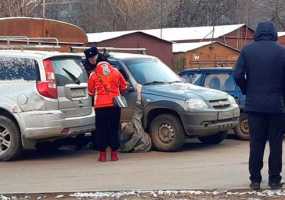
[
  {"x": 196, "y": 104},
  {"x": 232, "y": 101}
]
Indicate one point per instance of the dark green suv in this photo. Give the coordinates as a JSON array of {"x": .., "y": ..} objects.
[{"x": 174, "y": 110}]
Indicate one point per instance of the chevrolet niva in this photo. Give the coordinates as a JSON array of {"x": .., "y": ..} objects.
[{"x": 174, "y": 110}]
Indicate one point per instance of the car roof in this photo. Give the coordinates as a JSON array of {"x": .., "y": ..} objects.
[
  {"x": 35, "y": 53},
  {"x": 209, "y": 69}
]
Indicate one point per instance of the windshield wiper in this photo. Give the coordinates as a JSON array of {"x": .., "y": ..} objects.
[
  {"x": 175, "y": 82},
  {"x": 74, "y": 78},
  {"x": 155, "y": 82}
]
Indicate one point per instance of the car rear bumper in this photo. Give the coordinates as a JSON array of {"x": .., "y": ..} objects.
[
  {"x": 210, "y": 122},
  {"x": 51, "y": 124}
]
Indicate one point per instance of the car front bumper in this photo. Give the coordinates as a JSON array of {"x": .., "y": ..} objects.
[{"x": 197, "y": 124}]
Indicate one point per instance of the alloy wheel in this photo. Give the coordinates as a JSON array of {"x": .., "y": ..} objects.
[{"x": 5, "y": 140}]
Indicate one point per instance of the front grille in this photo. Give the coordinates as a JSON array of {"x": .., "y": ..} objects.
[{"x": 220, "y": 103}]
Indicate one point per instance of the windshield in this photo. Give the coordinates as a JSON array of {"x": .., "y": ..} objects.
[
  {"x": 192, "y": 78},
  {"x": 151, "y": 71}
]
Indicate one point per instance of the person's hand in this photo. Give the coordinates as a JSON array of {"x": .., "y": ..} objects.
[
  {"x": 139, "y": 93},
  {"x": 139, "y": 88}
]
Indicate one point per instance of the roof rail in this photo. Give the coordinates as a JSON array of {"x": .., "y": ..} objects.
[
  {"x": 23, "y": 47},
  {"x": 28, "y": 40},
  {"x": 24, "y": 42},
  {"x": 108, "y": 49}
]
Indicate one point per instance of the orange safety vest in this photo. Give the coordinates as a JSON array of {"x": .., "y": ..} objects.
[{"x": 105, "y": 83}]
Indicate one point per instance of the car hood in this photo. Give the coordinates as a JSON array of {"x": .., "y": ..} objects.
[{"x": 184, "y": 91}]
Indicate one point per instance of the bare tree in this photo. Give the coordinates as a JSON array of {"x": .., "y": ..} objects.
[
  {"x": 116, "y": 15},
  {"x": 13, "y": 8}
]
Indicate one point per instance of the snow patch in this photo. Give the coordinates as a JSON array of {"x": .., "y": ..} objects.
[
  {"x": 265, "y": 193},
  {"x": 2, "y": 197},
  {"x": 172, "y": 34}
]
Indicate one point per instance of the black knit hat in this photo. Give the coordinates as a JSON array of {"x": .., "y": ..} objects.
[{"x": 93, "y": 51}]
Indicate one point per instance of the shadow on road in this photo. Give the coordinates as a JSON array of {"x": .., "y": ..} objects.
[{"x": 49, "y": 151}]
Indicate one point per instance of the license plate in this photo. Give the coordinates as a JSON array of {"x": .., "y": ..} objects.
[
  {"x": 226, "y": 115},
  {"x": 75, "y": 93}
]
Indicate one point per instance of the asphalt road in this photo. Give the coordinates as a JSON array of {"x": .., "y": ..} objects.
[{"x": 197, "y": 166}]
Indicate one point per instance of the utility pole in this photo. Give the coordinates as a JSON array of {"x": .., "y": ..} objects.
[
  {"x": 161, "y": 18},
  {"x": 44, "y": 8}
]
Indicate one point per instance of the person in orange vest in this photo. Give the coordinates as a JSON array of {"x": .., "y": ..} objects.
[{"x": 104, "y": 84}]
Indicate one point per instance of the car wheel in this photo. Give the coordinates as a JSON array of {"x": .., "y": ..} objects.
[
  {"x": 242, "y": 130},
  {"x": 167, "y": 133},
  {"x": 10, "y": 139},
  {"x": 213, "y": 139}
]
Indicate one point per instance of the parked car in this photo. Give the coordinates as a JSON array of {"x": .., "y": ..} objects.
[
  {"x": 43, "y": 98},
  {"x": 220, "y": 78},
  {"x": 174, "y": 110}
]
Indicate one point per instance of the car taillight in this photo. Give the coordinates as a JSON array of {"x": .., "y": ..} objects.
[{"x": 48, "y": 87}]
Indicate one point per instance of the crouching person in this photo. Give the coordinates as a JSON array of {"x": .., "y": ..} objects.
[
  {"x": 104, "y": 84},
  {"x": 133, "y": 137}
]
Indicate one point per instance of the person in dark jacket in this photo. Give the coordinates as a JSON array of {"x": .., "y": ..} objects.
[{"x": 260, "y": 73}]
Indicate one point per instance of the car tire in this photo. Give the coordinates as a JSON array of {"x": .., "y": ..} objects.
[
  {"x": 10, "y": 139},
  {"x": 213, "y": 139},
  {"x": 242, "y": 130},
  {"x": 167, "y": 133}
]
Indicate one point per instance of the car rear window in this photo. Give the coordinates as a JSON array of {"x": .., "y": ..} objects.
[
  {"x": 69, "y": 70},
  {"x": 18, "y": 69}
]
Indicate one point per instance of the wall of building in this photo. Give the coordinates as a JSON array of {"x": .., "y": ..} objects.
[
  {"x": 238, "y": 38},
  {"x": 281, "y": 40},
  {"x": 211, "y": 55}
]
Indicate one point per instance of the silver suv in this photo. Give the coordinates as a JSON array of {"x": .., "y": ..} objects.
[{"x": 43, "y": 97}]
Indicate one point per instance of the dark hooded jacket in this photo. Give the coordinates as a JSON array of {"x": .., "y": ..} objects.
[{"x": 260, "y": 72}]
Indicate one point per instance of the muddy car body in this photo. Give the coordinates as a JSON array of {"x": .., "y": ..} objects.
[{"x": 174, "y": 110}]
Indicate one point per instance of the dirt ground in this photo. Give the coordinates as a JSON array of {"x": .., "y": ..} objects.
[{"x": 154, "y": 195}]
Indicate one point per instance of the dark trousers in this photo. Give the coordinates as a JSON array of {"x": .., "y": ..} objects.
[
  {"x": 107, "y": 128},
  {"x": 265, "y": 127}
]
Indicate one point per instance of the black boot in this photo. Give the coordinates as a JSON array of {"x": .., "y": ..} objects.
[
  {"x": 255, "y": 185},
  {"x": 275, "y": 185}
]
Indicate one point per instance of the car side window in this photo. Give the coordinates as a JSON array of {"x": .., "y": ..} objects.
[{"x": 13, "y": 68}]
